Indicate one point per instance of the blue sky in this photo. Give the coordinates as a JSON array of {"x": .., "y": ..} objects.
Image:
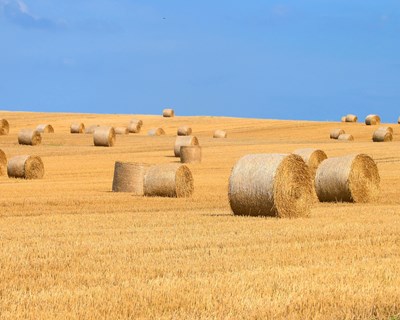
[{"x": 299, "y": 59}]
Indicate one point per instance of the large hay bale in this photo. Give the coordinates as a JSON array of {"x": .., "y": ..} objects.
[
  {"x": 184, "y": 131},
  {"x": 4, "y": 127},
  {"x": 372, "y": 119},
  {"x": 25, "y": 167},
  {"x": 351, "y": 118},
  {"x": 121, "y": 130},
  {"x": 3, "y": 163},
  {"x": 45, "y": 128},
  {"x": 190, "y": 154},
  {"x": 352, "y": 178},
  {"x": 168, "y": 180},
  {"x": 382, "y": 136},
  {"x": 335, "y": 133},
  {"x": 184, "y": 141},
  {"x": 312, "y": 158},
  {"x": 156, "y": 132},
  {"x": 168, "y": 113},
  {"x": 90, "y": 129},
  {"x": 135, "y": 126},
  {"x": 104, "y": 137},
  {"x": 77, "y": 128},
  {"x": 220, "y": 134},
  {"x": 346, "y": 137},
  {"x": 29, "y": 137},
  {"x": 128, "y": 177},
  {"x": 277, "y": 185}
]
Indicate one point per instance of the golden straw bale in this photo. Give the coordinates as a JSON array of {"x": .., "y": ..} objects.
[
  {"x": 3, "y": 163},
  {"x": 77, "y": 128},
  {"x": 312, "y": 158},
  {"x": 30, "y": 137},
  {"x": 168, "y": 113},
  {"x": 351, "y": 118},
  {"x": 135, "y": 127},
  {"x": 382, "y": 136},
  {"x": 128, "y": 177},
  {"x": 138, "y": 121},
  {"x": 168, "y": 180},
  {"x": 4, "y": 127},
  {"x": 156, "y": 132},
  {"x": 343, "y": 119},
  {"x": 45, "y": 128},
  {"x": 276, "y": 185},
  {"x": 121, "y": 130},
  {"x": 184, "y": 131},
  {"x": 352, "y": 178},
  {"x": 389, "y": 129},
  {"x": 335, "y": 133},
  {"x": 190, "y": 154},
  {"x": 220, "y": 134},
  {"x": 104, "y": 136},
  {"x": 372, "y": 119},
  {"x": 346, "y": 137},
  {"x": 90, "y": 129},
  {"x": 184, "y": 141},
  {"x": 25, "y": 167}
]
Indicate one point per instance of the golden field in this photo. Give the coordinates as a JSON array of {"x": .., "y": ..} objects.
[{"x": 71, "y": 248}]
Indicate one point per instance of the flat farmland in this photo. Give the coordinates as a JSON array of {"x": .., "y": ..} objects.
[{"x": 71, "y": 248}]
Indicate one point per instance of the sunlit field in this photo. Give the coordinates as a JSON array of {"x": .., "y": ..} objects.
[{"x": 72, "y": 248}]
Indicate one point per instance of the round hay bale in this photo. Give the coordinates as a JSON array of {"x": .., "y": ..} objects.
[
  {"x": 4, "y": 127},
  {"x": 389, "y": 129},
  {"x": 190, "y": 154},
  {"x": 372, "y": 119},
  {"x": 135, "y": 127},
  {"x": 45, "y": 128},
  {"x": 335, "y": 133},
  {"x": 343, "y": 119},
  {"x": 184, "y": 141},
  {"x": 352, "y": 178},
  {"x": 312, "y": 158},
  {"x": 128, "y": 177},
  {"x": 220, "y": 134},
  {"x": 25, "y": 167},
  {"x": 168, "y": 180},
  {"x": 90, "y": 129},
  {"x": 121, "y": 130},
  {"x": 138, "y": 121},
  {"x": 382, "y": 136},
  {"x": 3, "y": 163},
  {"x": 276, "y": 185},
  {"x": 184, "y": 131},
  {"x": 29, "y": 137},
  {"x": 351, "y": 118},
  {"x": 104, "y": 137},
  {"x": 77, "y": 128},
  {"x": 346, "y": 137},
  {"x": 156, "y": 132},
  {"x": 168, "y": 113}
]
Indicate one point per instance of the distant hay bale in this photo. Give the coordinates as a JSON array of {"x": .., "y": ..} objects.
[
  {"x": 25, "y": 167},
  {"x": 104, "y": 136},
  {"x": 190, "y": 154},
  {"x": 220, "y": 134},
  {"x": 30, "y": 137},
  {"x": 312, "y": 158},
  {"x": 45, "y": 128},
  {"x": 168, "y": 113},
  {"x": 90, "y": 129},
  {"x": 346, "y": 137},
  {"x": 372, "y": 119},
  {"x": 276, "y": 185},
  {"x": 135, "y": 126},
  {"x": 138, "y": 121},
  {"x": 168, "y": 180},
  {"x": 352, "y": 178},
  {"x": 184, "y": 141},
  {"x": 77, "y": 128},
  {"x": 121, "y": 130},
  {"x": 3, "y": 163},
  {"x": 343, "y": 119},
  {"x": 351, "y": 118},
  {"x": 382, "y": 136},
  {"x": 4, "y": 127},
  {"x": 184, "y": 131},
  {"x": 335, "y": 133},
  {"x": 389, "y": 129},
  {"x": 128, "y": 177},
  {"x": 156, "y": 132},
  {"x": 398, "y": 120}
]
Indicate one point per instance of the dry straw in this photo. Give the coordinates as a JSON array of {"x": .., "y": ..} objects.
[
  {"x": 121, "y": 130},
  {"x": 168, "y": 113},
  {"x": 351, "y": 118},
  {"x": 335, "y": 133},
  {"x": 312, "y": 158},
  {"x": 135, "y": 125},
  {"x": 156, "y": 132},
  {"x": 3, "y": 163},
  {"x": 104, "y": 136},
  {"x": 128, "y": 177},
  {"x": 382, "y": 136},
  {"x": 220, "y": 134},
  {"x": 346, "y": 137},
  {"x": 77, "y": 128},
  {"x": 389, "y": 129},
  {"x": 352, "y": 178},
  {"x": 90, "y": 129},
  {"x": 25, "y": 167},
  {"x": 190, "y": 154},
  {"x": 184, "y": 141},
  {"x": 45, "y": 128},
  {"x": 277, "y": 185},
  {"x": 30, "y": 137},
  {"x": 184, "y": 131},
  {"x": 168, "y": 180},
  {"x": 4, "y": 127},
  {"x": 372, "y": 119}
]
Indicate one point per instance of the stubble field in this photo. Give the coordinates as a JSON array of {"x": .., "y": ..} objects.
[{"x": 71, "y": 248}]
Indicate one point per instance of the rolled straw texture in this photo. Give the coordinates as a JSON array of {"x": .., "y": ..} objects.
[
  {"x": 335, "y": 133},
  {"x": 382, "y": 136},
  {"x": 312, "y": 158},
  {"x": 168, "y": 180},
  {"x": 128, "y": 177},
  {"x": 121, "y": 130},
  {"x": 346, "y": 137},
  {"x": 29, "y": 137},
  {"x": 276, "y": 185},
  {"x": 4, "y": 127},
  {"x": 104, "y": 136},
  {"x": 168, "y": 113},
  {"x": 220, "y": 134},
  {"x": 90, "y": 129},
  {"x": 351, "y": 118},
  {"x": 184, "y": 141},
  {"x": 184, "y": 131},
  {"x": 77, "y": 128},
  {"x": 45, "y": 128},
  {"x": 156, "y": 132},
  {"x": 372, "y": 119},
  {"x": 25, "y": 167},
  {"x": 3, "y": 163},
  {"x": 190, "y": 154},
  {"x": 135, "y": 127},
  {"x": 389, "y": 129}
]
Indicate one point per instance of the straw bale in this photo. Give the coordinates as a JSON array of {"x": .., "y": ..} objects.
[
  {"x": 45, "y": 128},
  {"x": 135, "y": 127},
  {"x": 77, "y": 128},
  {"x": 25, "y": 167},
  {"x": 121, "y": 130},
  {"x": 382, "y": 136},
  {"x": 190, "y": 154},
  {"x": 4, "y": 127},
  {"x": 128, "y": 177},
  {"x": 346, "y": 137},
  {"x": 184, "y": 131},
  {"x": 3, "y": 163},
  {"x": 90, "y": 129},
  {"x": 104, "y": 136},
  {"x": 184, "y": 141},
  {"x": 138, "y": 121},
  {"x": 30, "y": 137},
  {"x": 335, "y": 133},
  {"x": 156, "y": 132},
  {"x": 168, "y": 113},
  {"x": 372, "y": 119},
  {"x": 312, "y": 158},
  {"x": 351, "y": 118},
  {"x": 343, "y": 119},
  {"x": 389, "y": 129},
  {"x": 220, "y": 134}
]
